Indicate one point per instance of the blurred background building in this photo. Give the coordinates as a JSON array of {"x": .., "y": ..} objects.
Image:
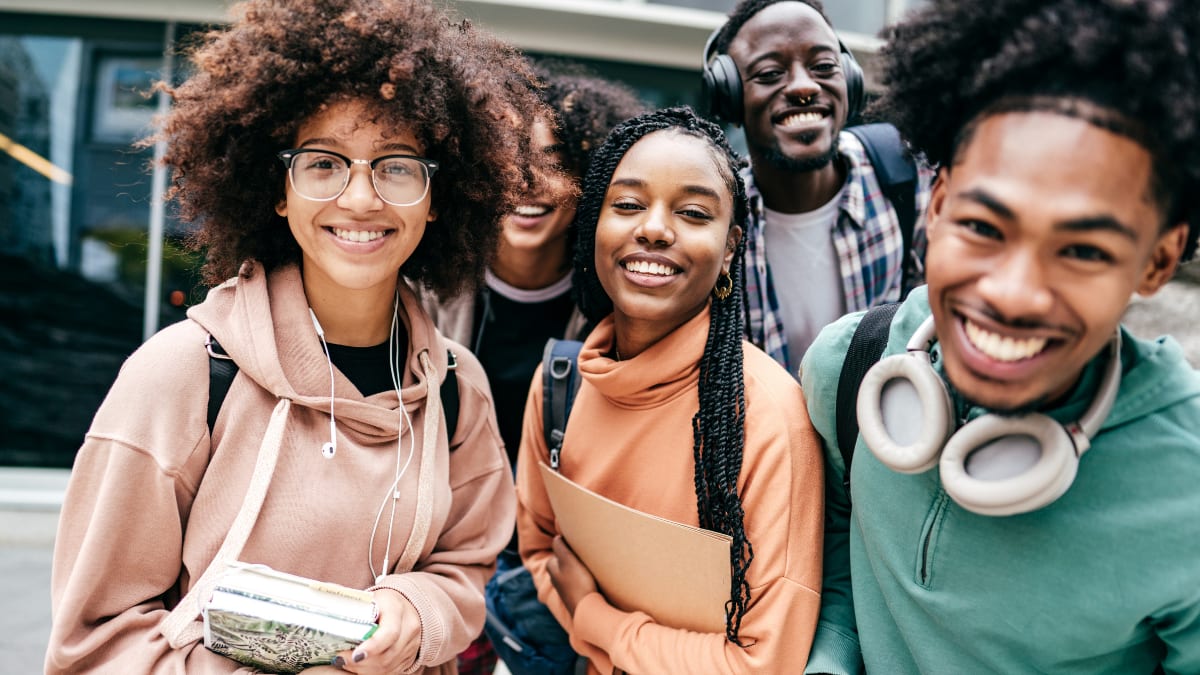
[{"x": 90, "y": 261}]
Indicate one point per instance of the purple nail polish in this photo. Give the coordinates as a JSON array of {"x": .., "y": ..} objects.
[
  {"x": 338, "y": 661},
  {"x": 359, "y": 656}
]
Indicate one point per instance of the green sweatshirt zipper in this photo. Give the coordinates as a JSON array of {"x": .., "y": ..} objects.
[{"x": 929, "y": 538}]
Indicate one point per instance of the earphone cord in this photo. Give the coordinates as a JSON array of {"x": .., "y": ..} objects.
[
  {"x": 393, "y": 492},
  {"x": 332, "y": 421},
  {"x": 329, "y": 449}
]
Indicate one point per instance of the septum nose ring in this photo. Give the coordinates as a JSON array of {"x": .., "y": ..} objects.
[{"x": 808, "y": 100}]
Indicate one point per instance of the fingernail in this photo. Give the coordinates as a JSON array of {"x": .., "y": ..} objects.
[
  {"x": 359, "y": 655},
  {"x": 338, "y": 661}
]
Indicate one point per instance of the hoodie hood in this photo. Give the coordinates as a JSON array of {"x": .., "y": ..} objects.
[
  {"x": 1156, "y": 375},
  {"x": 262, "y": 321}
]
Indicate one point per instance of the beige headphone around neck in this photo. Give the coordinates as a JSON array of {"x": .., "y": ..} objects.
[{"x": 994, "y": 465}]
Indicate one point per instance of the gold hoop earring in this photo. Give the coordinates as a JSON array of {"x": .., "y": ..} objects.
[{"x": 724, "y": 285}]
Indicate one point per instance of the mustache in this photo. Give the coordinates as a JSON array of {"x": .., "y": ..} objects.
[{"x": 984, "y": 310}]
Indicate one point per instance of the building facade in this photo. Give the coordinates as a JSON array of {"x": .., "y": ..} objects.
[{"x": 91, "y": 259}]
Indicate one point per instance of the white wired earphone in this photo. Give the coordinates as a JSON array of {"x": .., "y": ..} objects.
[
  {"x": 329, "y": 449},
  {"x": 394, "y": 490}
]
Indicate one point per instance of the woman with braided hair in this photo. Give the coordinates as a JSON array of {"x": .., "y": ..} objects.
[
  {"x": 525, "y": 295},
  {"x": 676, "y": 415}
]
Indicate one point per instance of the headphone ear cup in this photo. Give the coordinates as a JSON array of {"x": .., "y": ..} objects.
[
  {"x": 721, "y": 89},
  {"x": 1000, "y": 466},
  {"x": 904, "y": 412},
  {"x": 855, "y": 86}
]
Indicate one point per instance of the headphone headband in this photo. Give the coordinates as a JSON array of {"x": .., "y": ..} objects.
[{"x": 711, "y": 43}]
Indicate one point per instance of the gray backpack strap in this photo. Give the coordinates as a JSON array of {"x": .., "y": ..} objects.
[{"x": 560, "y": 382}]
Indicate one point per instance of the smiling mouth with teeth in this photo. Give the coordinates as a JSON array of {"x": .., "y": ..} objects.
[
  {"x": 797, "y": 119},
  {"x": 358, "y": 236},
  {"x": 531, "y": 210},
  {"x": 1003, "y": 348},
  {"x": 652, "y": 268}
]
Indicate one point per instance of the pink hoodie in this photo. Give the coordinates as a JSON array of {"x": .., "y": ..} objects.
[{"x": 150, "y": 500}]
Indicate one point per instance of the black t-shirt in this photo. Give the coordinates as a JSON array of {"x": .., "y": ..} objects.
[
  {"x": 509, "y": 338},
  {"x": 367, "y": 367}
]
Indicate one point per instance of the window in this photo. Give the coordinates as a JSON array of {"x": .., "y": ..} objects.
[{"x": 75, "y": 201}]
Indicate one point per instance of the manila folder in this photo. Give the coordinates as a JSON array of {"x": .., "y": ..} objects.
[{"x": 676, "y": 573}]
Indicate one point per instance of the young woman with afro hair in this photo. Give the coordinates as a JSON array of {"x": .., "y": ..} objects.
[{"x": 327, "y": 151}]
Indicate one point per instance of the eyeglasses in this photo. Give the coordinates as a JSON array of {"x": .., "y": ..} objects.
[{"x": 322, "y": 175}]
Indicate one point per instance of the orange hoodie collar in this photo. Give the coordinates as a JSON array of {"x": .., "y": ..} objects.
[{"x": 661, "y": 372}]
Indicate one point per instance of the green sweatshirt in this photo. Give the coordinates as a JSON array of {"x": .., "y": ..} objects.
[{"x": 1104, "y": 580}]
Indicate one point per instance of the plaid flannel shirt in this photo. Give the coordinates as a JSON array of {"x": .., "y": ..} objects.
[{"x": 866, "y": 238}]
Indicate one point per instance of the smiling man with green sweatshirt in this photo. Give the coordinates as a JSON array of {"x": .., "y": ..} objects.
[{"x": 1025, "y": 486}]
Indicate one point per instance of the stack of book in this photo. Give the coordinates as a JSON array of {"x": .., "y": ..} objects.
[{"x": 284, "y": 623}]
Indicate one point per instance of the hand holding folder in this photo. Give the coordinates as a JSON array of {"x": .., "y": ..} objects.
[{"x": 676, "y": 573}]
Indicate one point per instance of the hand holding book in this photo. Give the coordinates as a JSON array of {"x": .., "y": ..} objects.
[
  {"x": 285, "y": 623},
  {"x": 676, "y": 573},
  {"x": 394, "y": 647},
  {"x": 571, "y": 578}
]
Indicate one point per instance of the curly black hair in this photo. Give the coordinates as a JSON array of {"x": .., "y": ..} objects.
[
  {"x": 467, "y": 97},
  {"x": 745, "y": 10},
  {"x": 718, "y": 428},
  {"x": 1136, "y": 63},
  {"x": 585, "y": 107}
]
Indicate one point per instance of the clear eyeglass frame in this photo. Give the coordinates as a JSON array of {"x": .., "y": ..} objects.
[{"x": 288, "y": 157}]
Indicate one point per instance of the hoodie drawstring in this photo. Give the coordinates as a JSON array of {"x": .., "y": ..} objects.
[
  {"x": 181, "y": 625},
  {"x": 423, "y": 518}
]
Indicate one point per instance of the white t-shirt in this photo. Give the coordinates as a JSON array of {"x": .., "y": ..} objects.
[
  {"x": 527, "y": 296},
  {"x": 805, "y": 269}
]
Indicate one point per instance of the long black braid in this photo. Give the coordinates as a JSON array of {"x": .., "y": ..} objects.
[{"x": 718, "y": 428}]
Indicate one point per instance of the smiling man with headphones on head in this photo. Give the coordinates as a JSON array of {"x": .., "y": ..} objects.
[
  {"x": 1024, "y": 485},
  {"x": 825, "y": 233}
]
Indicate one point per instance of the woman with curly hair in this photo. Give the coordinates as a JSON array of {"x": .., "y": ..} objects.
[
  {"x": 327, "y": 149},
  {"x": 676, "y": 415},
  {"x": 526, "y": 297},
  {"x": 1025, "y": 489}
]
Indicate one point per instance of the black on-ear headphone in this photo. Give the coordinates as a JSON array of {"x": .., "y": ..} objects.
[
  {"x": 994, "y": 465},
  {"x": 721, "y": 83}
]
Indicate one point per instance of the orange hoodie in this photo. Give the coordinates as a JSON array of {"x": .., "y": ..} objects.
[
  {"x": 629, "y": 438},
  {"x": 150, "y": 500}
]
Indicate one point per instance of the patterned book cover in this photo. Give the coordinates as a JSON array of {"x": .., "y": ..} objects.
[{"x": 284, "y": 628}]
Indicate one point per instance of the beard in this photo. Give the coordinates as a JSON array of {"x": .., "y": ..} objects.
[{"x": 774, "y": 156}]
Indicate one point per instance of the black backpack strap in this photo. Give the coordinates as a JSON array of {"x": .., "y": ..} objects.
[
  {"x": 560, "y": 382},
  {"x": 866, "y": 346},
  {"x": 221, "y": 371},
  {"x": 897, "y": 173},
  {"x": 449, "y": 392}
]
